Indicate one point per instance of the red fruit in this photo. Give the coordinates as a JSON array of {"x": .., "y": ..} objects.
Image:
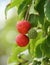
[
  {"x": 22, "y": 40},
  {"x": 23, "y": 26}
]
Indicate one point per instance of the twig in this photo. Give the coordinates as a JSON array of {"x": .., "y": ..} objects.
[{"x": 27, "y": 12}]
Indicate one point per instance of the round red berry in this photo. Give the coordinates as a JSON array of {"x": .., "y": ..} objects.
[
  {"x": 23, "y": 26},
  {"x": 22, "y": 40}
]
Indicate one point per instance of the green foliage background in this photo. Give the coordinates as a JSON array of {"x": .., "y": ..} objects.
[{"x": 37, "y": 12}]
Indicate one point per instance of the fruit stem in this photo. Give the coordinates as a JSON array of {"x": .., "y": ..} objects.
[{"x": 27, "y": 12}]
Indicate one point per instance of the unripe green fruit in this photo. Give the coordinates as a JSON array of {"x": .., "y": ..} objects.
[{"x": 32, "y": 34}]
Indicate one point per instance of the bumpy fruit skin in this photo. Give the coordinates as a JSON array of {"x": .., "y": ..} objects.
[
  {"x": 23, "y": 26},
  {"x": 22, "y": 40},
  {"x": 32, "y": 34}
]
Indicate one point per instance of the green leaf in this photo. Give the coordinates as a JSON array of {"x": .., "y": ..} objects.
[
  {"x": 32, "y": 46},
  {"x": 15, "y": 52},
  {"x": 32, "y": 9},
  {"x": 45, "y": 61},
  {"x": 46, "y": 25},
  {"x": 48, "y": 40},
  {"x": 45, "y": 49},
  {"x": 36, "y": 2},
  {"x": 34, "y": 42},
  {"x": 35, "y": 62},
  {"x": 47, "y": 9},
  {"x": 40, "y": 41},
  {"x": 37, "y": 47},
  {"x": 33, "y": 19},
  {"x": 11, "y": 5},
  {"x": 23, "y": 6},
  {"x": 38, "y": 52},
  {"x": 40, "y": 9}
]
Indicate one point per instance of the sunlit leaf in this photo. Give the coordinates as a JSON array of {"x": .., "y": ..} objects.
[
  {"x": 11, "y": 5},
  {"x": 15, "y": 53},
  {"x": 32, "y": 9}
]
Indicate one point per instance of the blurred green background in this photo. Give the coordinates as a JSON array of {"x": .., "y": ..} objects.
[{"x": 7, "y": 31}]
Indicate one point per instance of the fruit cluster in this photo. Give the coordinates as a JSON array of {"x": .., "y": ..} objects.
[{"x": 23, "y": 27}]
